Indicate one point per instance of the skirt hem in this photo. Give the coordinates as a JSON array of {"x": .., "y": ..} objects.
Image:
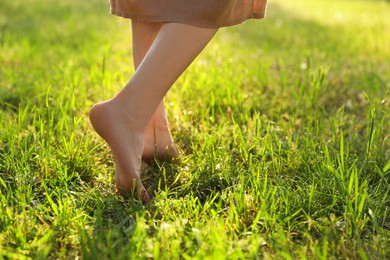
[{"x": 206, "y": 24}]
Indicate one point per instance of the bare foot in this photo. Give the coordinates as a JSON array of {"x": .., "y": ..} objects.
[
  {"x": 115, "y": 126},
  {"x": 158, "y": 143}
]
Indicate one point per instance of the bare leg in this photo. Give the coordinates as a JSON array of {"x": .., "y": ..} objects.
[
  {"x": 158, "y": 141},
  {"x": 121, "y": 121}
]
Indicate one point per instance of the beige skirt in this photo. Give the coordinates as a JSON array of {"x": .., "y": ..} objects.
[{"x": 202, "y": 13}]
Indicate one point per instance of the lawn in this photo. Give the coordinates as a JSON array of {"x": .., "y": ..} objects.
[{"x": 283, "y": 124}]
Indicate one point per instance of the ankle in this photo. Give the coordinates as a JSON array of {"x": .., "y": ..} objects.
[
  {"x": 158, "y": 126},
  {"x": 126, "y": 114}
]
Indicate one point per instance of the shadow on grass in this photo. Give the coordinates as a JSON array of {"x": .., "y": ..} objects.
[{"x": 113, "y": 229}]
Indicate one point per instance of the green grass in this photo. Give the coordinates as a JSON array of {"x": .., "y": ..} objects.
[{"x": 284, "y": 126}]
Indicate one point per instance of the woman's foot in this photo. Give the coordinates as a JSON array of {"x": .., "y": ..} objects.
[
  {"x": 125, "y": 138},
  {"x": 158, "y": 143}
]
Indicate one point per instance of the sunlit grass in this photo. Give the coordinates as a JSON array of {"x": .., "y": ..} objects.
[{"x": 283, "y": 124}]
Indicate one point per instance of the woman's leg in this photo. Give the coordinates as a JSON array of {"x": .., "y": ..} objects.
[
  {"x": 121, "y": 121},
  {"x": 157, "y": 137}
]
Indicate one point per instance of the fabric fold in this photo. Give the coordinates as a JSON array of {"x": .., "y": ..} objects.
[{"x": 202, "y": 13}]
